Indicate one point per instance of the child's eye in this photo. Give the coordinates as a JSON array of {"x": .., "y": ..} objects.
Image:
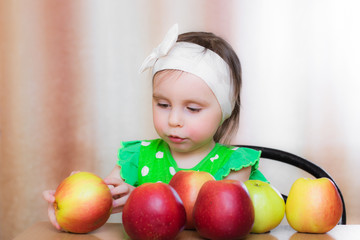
[
  {"x": 163, "y": 105},
  {"x": 194, "y": 109}
]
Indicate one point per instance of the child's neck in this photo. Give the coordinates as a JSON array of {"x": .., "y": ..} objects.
[{"x": 187, "y": 160}]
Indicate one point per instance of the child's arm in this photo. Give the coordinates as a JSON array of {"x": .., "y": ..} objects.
[
  {"x": 241, "y": 175},
  {"x": 119, "y": 190}
]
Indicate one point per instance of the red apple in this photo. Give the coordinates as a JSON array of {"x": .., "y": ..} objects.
[
  {"x": 313, "y": 205},
  {"x": 153, "y": 211},
  {"x": 268, "y": 203},
  {"x": 223, "y": 210},
  {"x": 83, "y": 203},
  {"x": 187, "y": 184}
]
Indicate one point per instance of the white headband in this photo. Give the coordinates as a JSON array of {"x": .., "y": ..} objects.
[{"x": 195, "y": 59}]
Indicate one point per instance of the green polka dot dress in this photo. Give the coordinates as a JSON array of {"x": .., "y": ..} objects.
[{"x": 151, "y": 161}]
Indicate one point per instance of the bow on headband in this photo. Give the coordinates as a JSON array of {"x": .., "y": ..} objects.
[{"x": 163, "y": 48}]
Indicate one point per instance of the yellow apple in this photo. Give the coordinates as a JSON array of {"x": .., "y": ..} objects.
[
  {"x": 83, "y": 203},
  {"x": 313, "y": 205},
  {"x": 268, "y": 203}
]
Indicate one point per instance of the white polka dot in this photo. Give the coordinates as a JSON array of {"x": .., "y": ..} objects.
[
  {"x": 159, "y": 155},
  {"x": 145, "y": 143},
  {"x": 235, "y": 148},
  {"x": 214, "y": 158},
  {"x": 144, "y": 171},
  {"x": 172, "y": 170}
]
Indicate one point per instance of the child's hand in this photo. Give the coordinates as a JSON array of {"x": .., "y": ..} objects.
[
  {"x": 50, "y": 198},
  {"x": 120, "y": 192}
]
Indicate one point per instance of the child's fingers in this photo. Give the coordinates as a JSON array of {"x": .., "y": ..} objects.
[
  {"x": 113, "y": 181},
  {"x": 48, "y": 195},
  {"x": 120, "y": 190},
  {"x": 52, "y": 217},
  {"x": 116, "y": 210},
  {"x": 73, "y": 172},
  {"x": 118, "y": 204}
]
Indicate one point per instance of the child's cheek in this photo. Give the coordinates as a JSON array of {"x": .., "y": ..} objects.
[{"x": 201, "y": 131}]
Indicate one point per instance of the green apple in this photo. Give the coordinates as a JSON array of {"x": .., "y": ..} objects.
[{"x": 268, "y": 203}]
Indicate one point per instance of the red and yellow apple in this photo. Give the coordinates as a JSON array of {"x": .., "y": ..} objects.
[
  {"x": 153, "y": 211},
  {"x": 83, "y": 203},
  {"x": 313, "y": 205},
  {"x": 187, "y": 184},
  {"x": 268, "y": 203},
  {"x": 223, "y": 210}
]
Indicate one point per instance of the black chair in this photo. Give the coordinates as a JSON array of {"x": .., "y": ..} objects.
[{"x": 294, "y": 160}]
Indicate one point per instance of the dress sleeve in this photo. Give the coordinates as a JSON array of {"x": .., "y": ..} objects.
[
  {"x": 242, "y": 158},
  {"x": 128, "y": 159}
]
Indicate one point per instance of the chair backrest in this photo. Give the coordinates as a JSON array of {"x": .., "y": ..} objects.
[{"x": 294, "y": 160}]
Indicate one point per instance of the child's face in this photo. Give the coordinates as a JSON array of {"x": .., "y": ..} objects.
[{"x": 186, "y": 113}]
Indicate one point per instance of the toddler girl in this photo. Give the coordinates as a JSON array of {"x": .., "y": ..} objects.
[{"x": 196, "y": 102}]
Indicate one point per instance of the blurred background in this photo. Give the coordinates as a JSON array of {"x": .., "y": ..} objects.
[{"x": 70, "y": 90}]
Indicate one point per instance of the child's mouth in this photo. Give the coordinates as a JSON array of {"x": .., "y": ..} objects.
[{"x": 176, "y": 139}]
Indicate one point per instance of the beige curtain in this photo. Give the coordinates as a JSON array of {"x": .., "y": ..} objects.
[
  {"x": 70, "y": 90},
  {"x": 46, "y": 123}
]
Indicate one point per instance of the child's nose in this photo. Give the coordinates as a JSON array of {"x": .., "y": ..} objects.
[{"x": 175, "y": 118}]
